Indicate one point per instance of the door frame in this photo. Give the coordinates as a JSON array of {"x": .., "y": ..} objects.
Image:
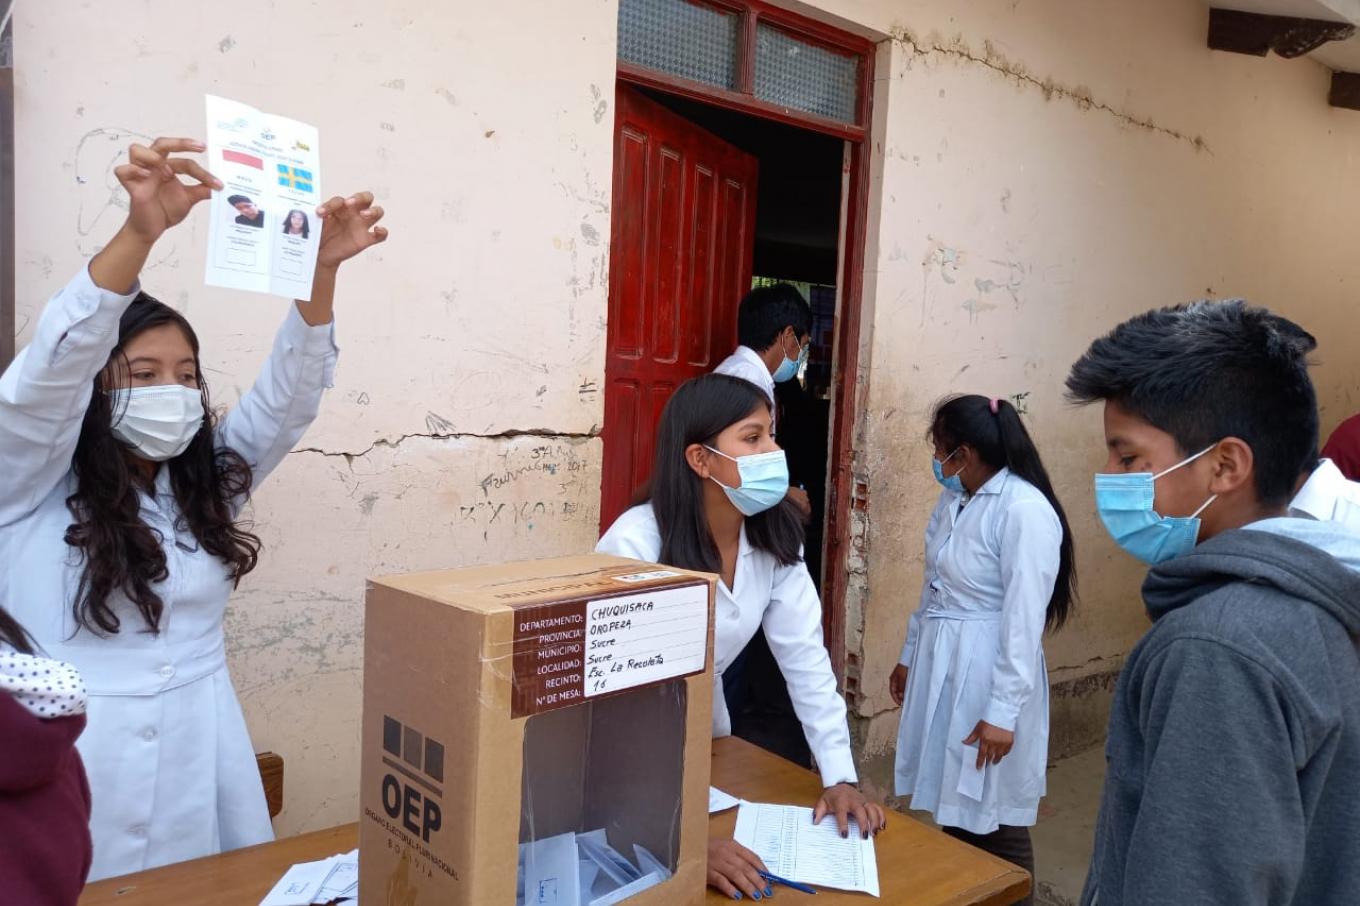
[{"x": 841, "y": 493}]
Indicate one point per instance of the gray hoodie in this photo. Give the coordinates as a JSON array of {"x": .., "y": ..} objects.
[{"x": 1233, "y": 757}]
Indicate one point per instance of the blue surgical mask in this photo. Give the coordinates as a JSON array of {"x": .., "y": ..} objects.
[
  {"x": 952, "y": 482},
  {"x": 789, "y": 368},
  {"x": 1125, "y": 506},
  {"x": 764, "y": 481}
]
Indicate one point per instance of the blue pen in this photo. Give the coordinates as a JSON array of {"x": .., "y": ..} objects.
[{"x": 786, "y": 882}]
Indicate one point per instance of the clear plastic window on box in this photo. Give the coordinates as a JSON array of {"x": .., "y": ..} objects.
[{"x": 601, "y": 798}]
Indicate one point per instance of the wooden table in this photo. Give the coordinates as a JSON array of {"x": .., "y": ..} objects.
[{"x": 917, "y": 865}]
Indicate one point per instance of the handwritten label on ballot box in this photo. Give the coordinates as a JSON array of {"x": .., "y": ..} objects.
[
  {"x": 645, "y": 638},
  {"x": 570, "y": 651}
]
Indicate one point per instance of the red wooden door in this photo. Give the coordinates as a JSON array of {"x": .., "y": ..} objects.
[{"x": 684, "y": 215}]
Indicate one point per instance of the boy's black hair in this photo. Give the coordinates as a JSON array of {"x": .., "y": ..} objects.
[
  {"x": 766, "y": 310},
  {"x": 234, "y": 200},
  {"x": 1209, "y": 370}
]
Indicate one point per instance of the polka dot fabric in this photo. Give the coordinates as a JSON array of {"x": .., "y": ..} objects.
[{"x": 43, "y": 687}]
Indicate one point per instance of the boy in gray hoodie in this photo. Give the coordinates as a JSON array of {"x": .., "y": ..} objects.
[{"x": 1233, "y": 756}]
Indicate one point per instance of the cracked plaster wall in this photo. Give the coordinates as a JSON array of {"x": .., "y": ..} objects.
[
  {"x": 465, "y": 414},
  {"x": 1041, "y": 169}
]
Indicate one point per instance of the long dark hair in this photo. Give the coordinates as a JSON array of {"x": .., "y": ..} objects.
[
  {"x": 1001, "y": 441},
  {"x": 288, "y": 222},
  {"x": 698, "y": 411},
  {"x": 121, "y": 553},
  {"x": 14, "y": 635}
]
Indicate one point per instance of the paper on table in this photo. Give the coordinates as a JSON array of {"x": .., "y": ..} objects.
[
  {"x": 552, "y": 872},
  {"x": 718, "y": 801},
  {"x": 300, "y": 884},
  {"x": 263, "y": 232},
  {"x": 792, "y": 847},
  {"x": 343, "y": 879}
]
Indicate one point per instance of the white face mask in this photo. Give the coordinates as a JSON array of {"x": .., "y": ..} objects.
[{"x": 158, "y": 422}]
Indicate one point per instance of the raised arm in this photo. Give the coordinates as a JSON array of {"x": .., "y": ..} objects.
[
  {"x": 45, "y": 391},
  {"x": 272, "y": 417}
]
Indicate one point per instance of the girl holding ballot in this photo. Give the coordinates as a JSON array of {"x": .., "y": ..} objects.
[
  {"x": 973, "y": 744},
  {"x": 120, "y": 494},
  {"x": 717, "y": 504}
]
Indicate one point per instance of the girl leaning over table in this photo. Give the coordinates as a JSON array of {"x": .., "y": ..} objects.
[
  {"x": 717, "y": 503},
  {"x": 972, "y": 681},
  {"x": 120, "y": 499}
]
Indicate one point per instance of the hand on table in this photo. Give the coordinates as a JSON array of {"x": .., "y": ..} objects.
[
  {"x": 734, "y": 870},
  {"x": 846, "y": 802}
]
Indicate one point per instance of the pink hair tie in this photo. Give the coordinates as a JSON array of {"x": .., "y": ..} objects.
[{"x": 996, "y": 403}]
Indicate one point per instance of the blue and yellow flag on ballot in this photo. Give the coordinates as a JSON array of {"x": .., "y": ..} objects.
[{"x": 293, "y": 178}]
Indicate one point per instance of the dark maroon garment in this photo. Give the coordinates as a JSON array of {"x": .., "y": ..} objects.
[
  {"x": 45, "y": 847},
  {"x": 1343, "y": 448}
]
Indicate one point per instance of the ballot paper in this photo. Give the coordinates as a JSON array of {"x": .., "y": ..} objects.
[
  {"x": 552, "y": 872},
  {"x": 650, "y": 864},
  {"x": 583, "y": 870},
  {"x": 630, "y": 889},
  {"x": 263, "y": 231},
  {"x": 324, "y": 881},
  {"x": 971, "y": 776},
  {"x": 611, "y": 862},
  {"x": 343, "y": 881},
  {"x": 791, "y": 846},
  {"x": 718, "y": 801}
]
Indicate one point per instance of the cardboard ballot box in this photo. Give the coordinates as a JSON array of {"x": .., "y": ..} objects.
[{"x": 537, "y": 733}]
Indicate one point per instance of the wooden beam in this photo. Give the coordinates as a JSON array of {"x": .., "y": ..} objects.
[
  {"x": 1257, "y": 35},
  {"x": 1345, "y": 90},
  {"x": 271, "y": 775}
]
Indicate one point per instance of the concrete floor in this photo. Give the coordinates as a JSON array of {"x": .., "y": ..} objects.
[{"x": 1067, "y": 819}]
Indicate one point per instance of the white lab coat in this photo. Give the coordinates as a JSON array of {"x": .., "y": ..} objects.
[
  {"x": 974, "y": 650},
  {"x": 747, "y": 364},
  {"x": 172, "y": 771},
  {"x": 783, "y": 600},
  {"x": 1329, "y": 496}
]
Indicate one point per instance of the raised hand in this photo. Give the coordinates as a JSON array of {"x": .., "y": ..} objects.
[
  {"x": 348, "y": 226},
  {"x": 157, "y": 198}
]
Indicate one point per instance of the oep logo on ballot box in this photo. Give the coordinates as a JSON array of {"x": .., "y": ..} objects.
[{"x": 411, "y": 786}]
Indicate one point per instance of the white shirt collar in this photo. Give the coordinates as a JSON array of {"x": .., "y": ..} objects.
[
  {"x": 1320, "y": 493},
  {"x": 994, "y": 484},
  {"x": 753, "y": 357}
]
